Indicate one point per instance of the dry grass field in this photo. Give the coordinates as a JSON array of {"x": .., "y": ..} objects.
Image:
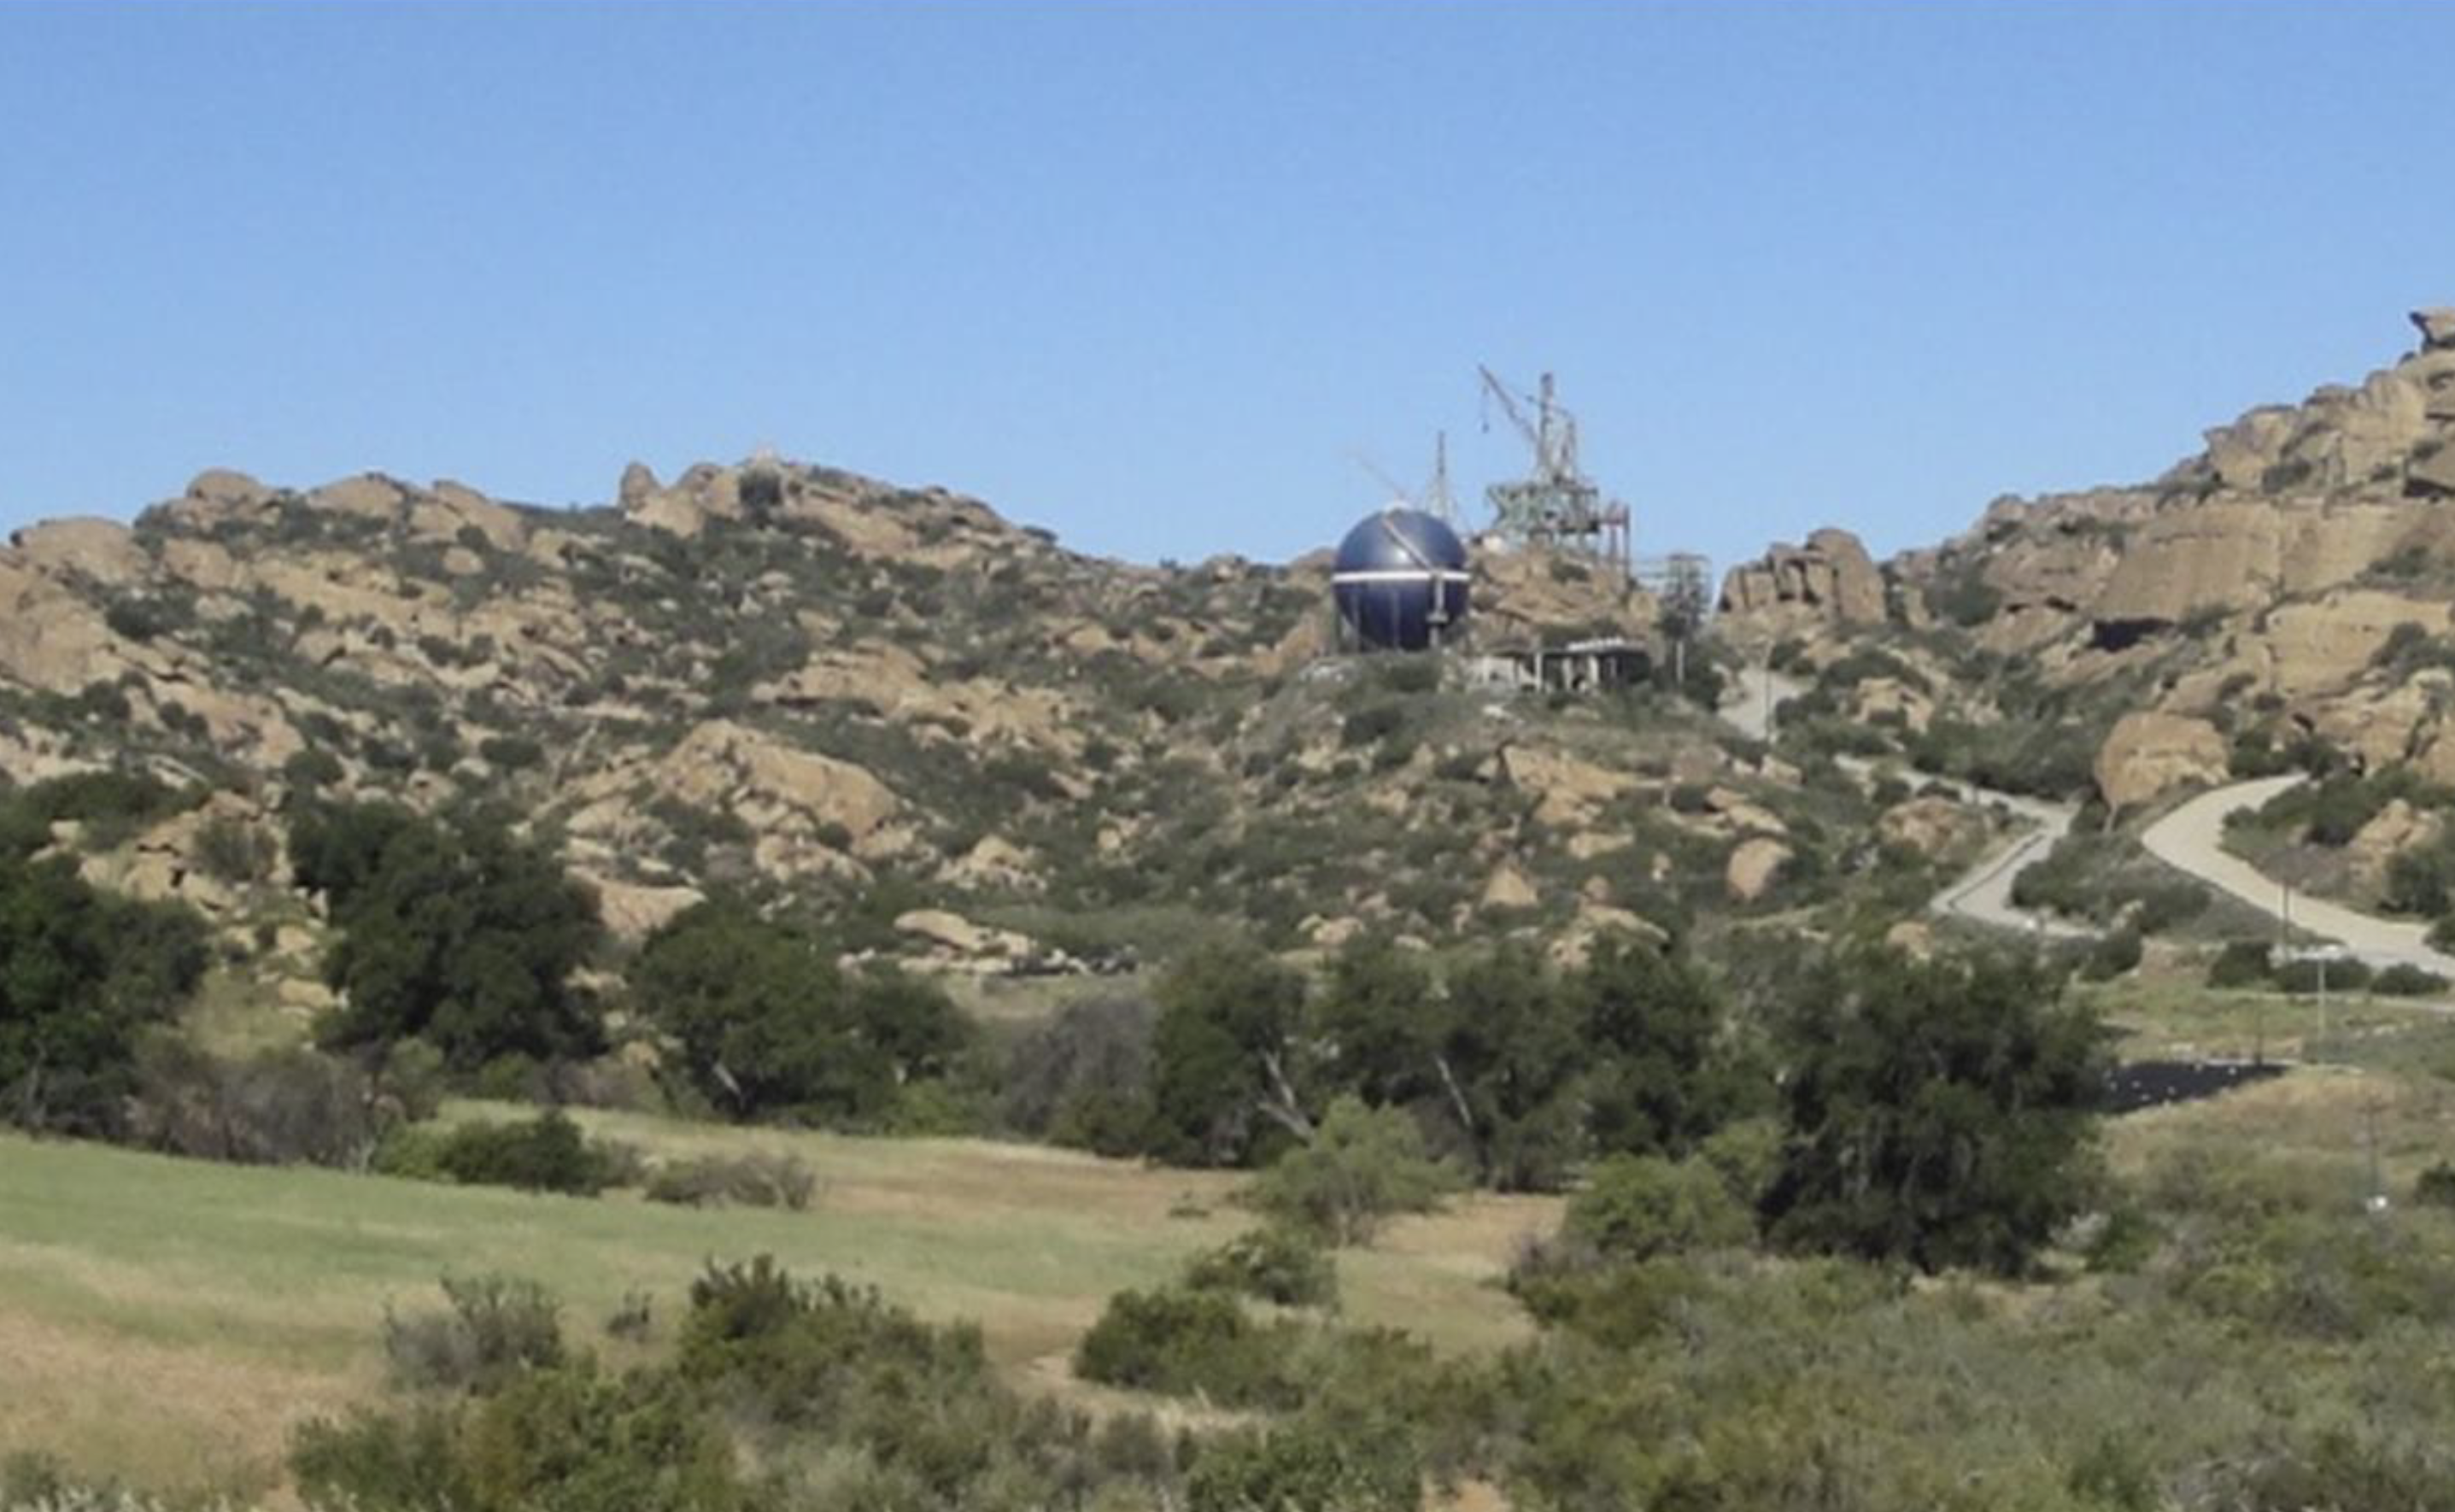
[{"x": 167, "y": 1321}]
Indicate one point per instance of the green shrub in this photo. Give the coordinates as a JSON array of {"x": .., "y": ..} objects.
[
  {"x": 112, "y": 804},
  {"x": 2435, "y": 1187},
  {"x": 819, "y": 1353},
  {"x": 1184, "y": 1343},
  {"x": 381, "y": 1462},
  {"x": 544, "y": 1153},
  {"x": 756, "y": 1179},
  {"x": 566, "y": 1439},
  {"x": 1744, "y": 1153},
  {"x": 1273, "y": 1264},
  {"x": 142, "y": 619},
  {"x": 308, "y": 772},
  {"x": 1083, "y": 1078},
  {"x": 277, "y": 1108},
  {"x": 2112, "y": 955},
  {"x": 1637, "y": 1206},
  {"x": 2304, "y": 977},
  {"x": 1410, "y": 675},
  {"x": 234, "y": 851},
  {"x": 1372, "y": 723},
  {"x": 510, "y": 753},
  {"x": 1309, "y": 1465},
  {"x": 1961, "y": 594},
  {"x": 2337, "y": 1471},
  {"x": 2404, "y": 979},
  {"x": 2240, "y": 964},
  {"x": 1364, "y": 1166},
  {"x": 494, "y": 1328}
]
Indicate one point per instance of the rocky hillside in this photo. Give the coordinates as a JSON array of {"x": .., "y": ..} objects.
[
  {"x": 2293, "y": 581},
  {"x": 889, "y": 703}
]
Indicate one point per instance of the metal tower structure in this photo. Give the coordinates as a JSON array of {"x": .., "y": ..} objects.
[
  {"x": 1555, "y": 505},
  {"x": 1437, "y": 500},
  {"x": 1682, "y": 585},
  {"x": 1434, "y": 497},
  {"x": 1683, "y": 580}
]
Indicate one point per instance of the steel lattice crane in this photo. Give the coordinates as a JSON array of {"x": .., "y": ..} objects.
[
  {"x": 1555, "y": 505},
  {"x": 1553, "y": 433}
]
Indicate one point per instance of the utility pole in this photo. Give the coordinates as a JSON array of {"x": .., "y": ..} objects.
[{"x": 2376, "y": 1203}]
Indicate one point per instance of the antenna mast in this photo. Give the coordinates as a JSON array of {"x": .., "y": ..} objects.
[{"x": 1438, "y": 502}]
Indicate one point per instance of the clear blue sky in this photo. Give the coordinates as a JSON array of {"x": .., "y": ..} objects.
[{"x": 1151, "y": 275}]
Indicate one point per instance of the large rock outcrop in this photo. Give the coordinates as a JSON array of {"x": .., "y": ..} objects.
[
  {"x": 1828, "y": 582},
  {"x": 2149, "y": 753}
]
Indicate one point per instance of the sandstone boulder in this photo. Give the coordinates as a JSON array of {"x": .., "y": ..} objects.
[
  {"x": 634, "y": 910},
  {"x": 1330, "y": 934},
  {"x": 207, "y": 566},
  {"x": 2148, "y": 752},
  {"x": 2393, "y": 828},
  {"x": 702, "y": 493},
  {"x": 1509, "y": 887},
  {"x": 994, "y": 864},
  {"x": 1743, "y": 814},
  {"x": 2224, "y": 556},
  {"x": 639, "y": 485},
  {"x": 101, "y": 550},
  {"x": 1912, "y": 937},
  {"x": 1566, "y": 789},
  {"x": 52, "y": 638},
  {"x": 1830, "y": 579},
  {"x": 2321, "y": 646},
  {"x": 2436, "y": 761},
  {"x": 2381, "y": 724},
  {"x": 172, "y": 861},
  {"x": 1587, "y": 844},
  {"x": 1930, "y": 825},
  {"x": 1519, "y": 593},
  {"x": 2435, "y": 470},
  {"x": 804, "y": 808},
  {"x": 1753, "y": 868},
  {"x": 1595, "y": 922},
  {"x": 958, "y": 942},
  {"x": 226, "y": 488},
  {"x": 450, "y": 508},
  {"x": 2437, "y": 328},
  {"x": 370, "y": 496}
]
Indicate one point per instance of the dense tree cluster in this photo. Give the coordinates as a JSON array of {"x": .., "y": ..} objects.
[
  {"x": 82, "y": 972},
  {"x": 1514, "y": 1071},
  {"x": 458, "y": 933},
  {"x": 1937, "y": 1112},
  {"x": 767, "y": 1025}
]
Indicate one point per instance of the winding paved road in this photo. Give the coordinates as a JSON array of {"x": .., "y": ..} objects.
[
  {"x": 2191, "y": 839},
  {"x": 1981, "y": 894}
]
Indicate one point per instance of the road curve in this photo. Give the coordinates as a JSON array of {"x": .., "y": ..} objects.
[
  {"x": 2191, "y": 839},
  {"x": 1983, "y": 893}
]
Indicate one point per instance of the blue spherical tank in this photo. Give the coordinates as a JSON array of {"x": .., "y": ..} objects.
[{"x": 1400, "y": 580}]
